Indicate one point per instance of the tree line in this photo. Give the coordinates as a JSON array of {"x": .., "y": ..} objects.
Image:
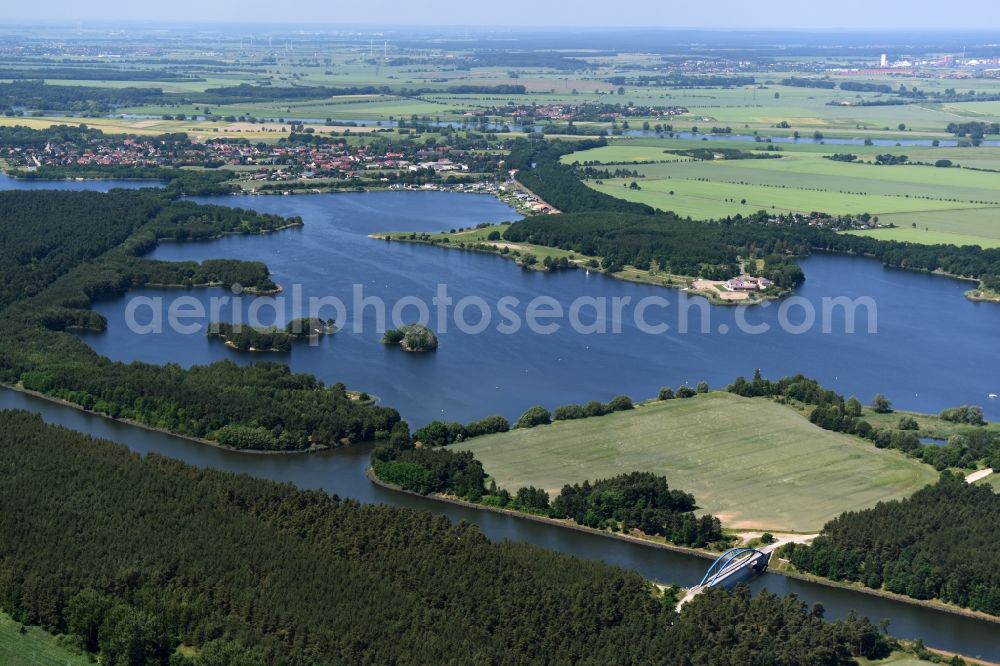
[
  {"x": 976, "y": 129},
  {"x": 40, "y": 96},
  {"x": 95, "y": 74},
  {"x": 637, "y": 500},
  {"x": 676, "y": 80}
]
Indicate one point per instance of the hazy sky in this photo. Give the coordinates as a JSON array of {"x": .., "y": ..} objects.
[{"x": 882, "y": 15}]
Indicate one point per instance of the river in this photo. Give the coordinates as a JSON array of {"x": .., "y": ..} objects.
[{"x": 922, "y": 362}]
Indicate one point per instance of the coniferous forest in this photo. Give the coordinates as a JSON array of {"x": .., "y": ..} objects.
[
  {"x": 937, "y": 544},
  {"x": 134, "y": 557}
]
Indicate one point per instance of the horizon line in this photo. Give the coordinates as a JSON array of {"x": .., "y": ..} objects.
[{"x": 314, "y": 25}]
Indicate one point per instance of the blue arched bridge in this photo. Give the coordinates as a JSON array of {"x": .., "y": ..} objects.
[
  {"x": 736, "y": 565},
  {"x": 746, "y": 561}
]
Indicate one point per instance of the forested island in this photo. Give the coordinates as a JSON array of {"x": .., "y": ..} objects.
[
  {"x": 246, "y": 338},
  {"x": 207, "y": 538},
  {"x": 411, "y": 338},
  {"x": 52, "y": 274}
]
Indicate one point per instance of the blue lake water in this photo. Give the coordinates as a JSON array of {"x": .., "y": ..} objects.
[{"x": 932, "y": 348}]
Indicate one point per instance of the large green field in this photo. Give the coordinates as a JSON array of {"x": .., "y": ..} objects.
[
  {"x": 981, "y": 225},
  {"x": 927, "y": 204},
  {"x": 622, "y": 153},
  {"x": 752, "y": 462},
  {"x": 709, "y": 199},
  {"x": 34, "y": 647}
]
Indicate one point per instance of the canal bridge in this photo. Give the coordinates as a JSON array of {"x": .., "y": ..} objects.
[{"x": 736, "y": 565}]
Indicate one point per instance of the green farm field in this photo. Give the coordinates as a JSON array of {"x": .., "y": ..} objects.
[
  {"x": 348, "y": 107},
  {"x": 622, "y": 154},
  {"x": 927, "y": 204},
  {"x": 33, "y": 648},
  {"x": 703, "y": 200},
  {"x": 753, "y": 463},
  {"x": 974, "y": 227}
]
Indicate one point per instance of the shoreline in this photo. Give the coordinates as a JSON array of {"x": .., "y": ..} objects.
[
  {"x": 164, "y": 431},
  {"x": 213, "y": 285},
  {"x": 795, "y": 575},
  {"x": 969, "y": 295},
  {"x": 626, "y": 277}
]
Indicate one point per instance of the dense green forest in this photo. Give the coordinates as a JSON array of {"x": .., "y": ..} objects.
[
  {"x": 560, "y": 186},
  {"x": 29, "y": 137},
  {"x": 250, "y": 572},
  {"x": 52, "y": 272},
  {"x": 663, "y": 241},
  {"x": 672, "y": 244},
  {"x": 639, "y": 239},
  {"x": 40, "y": 96},
  {"x": 42, "y": 236},
  {"x": 941, "y": 543}
]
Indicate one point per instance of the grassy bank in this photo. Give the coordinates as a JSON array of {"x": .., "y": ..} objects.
[{"x": 33, "y": 647}]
